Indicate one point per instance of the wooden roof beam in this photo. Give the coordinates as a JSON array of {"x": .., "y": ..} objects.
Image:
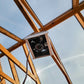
[
  {"x": 14, "y": 72},
  {"x": 12, "y": 35},
  {"x": 52, "y": 24},
  {"x": 15, "y": 46},
  {"x": 75, "y": 3},
  {"x": 14, "y": 60},
  {"x": 63, "y": 17},
  {"x": 78, "y": 15},
  {"x": 25, "y": 3},
  {"x": 2, "y": 79},
  {"x": 9, "y": 34},
  {"x": 26, "y": 15},
  {"x": 7, "y": 77},
  {"x": 80, "y": 18}
]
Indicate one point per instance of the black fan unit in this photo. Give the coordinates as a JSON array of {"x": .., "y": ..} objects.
[{"x": 39, "y": 44}]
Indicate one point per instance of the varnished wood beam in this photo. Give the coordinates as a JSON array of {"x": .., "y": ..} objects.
[
  {"x": 15, "y": 46},
  {"x": 62, "y": 69},
  {"x": 75, "y": 3},
  {"x": 9, "y": 34},
  {"x": 63, "y": 17},
  {"x": 3, "y": 80},
  {"x": 80, "y": 18},
  {"x": 26, "y": 15},
  {"x": 57, "y": 60},
  {"x": 7, "y": 77},
  {"x": 52, "y": 23},
  {"x": 78, "y": 15},
  {"x": 31, "y": 64},
  {"x": 13, "y": 59},
  {"x": 14, "y": 72},
  {"x": 25, "y": 3}
]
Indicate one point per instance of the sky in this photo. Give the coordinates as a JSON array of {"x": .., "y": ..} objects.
[{"x": 67, "y": 37}]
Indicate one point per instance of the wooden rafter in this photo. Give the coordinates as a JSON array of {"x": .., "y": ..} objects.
[
  {"x": 4, "y": 31},
  {"x": 3, "y": 82},
  {"x": 52, "y": 23},
  {"x": 9, "y": 34},
  {"x": 15, "y": 46},
  {"x": 26, "y": 52},
  {"x": 62, "y": 69},
  {"x": 13, "y": 59},
  {"x": 80, "y": 18},
  {"x": 7, "y": 77},
  {"x": 26, "y": 15},
  {"x": 75, "y": 3},
  {"x": 24, "y": 2},
  {"x": 63, "y": 17},
  {"x": 21, "y": 3},
  {"x": 59, "y": 63},
  {"x": 78, "y": 15},
  {"x": 14, "y": 72}
]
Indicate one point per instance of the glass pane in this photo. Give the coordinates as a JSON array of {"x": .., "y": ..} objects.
[
  {"x": 68, "y": 40},
  {"x": 46, "y": 10},
  {"x": 7, "y": 82},
  {"x": 6, "y": 41},
  {"x": 67, "y": 37},
  {"x": 82, "y": 12},
  {"x": 13, "y": 20},
  {"x": 20, "y": 55},
  {"x": 6, "y": 67},
  {"x": 48, "y": 71},
  {"x": 21, "y": 74},
  {"x": 81, "y": 1}
]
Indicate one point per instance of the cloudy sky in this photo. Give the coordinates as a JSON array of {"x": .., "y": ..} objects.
[{"x": 67, "y": 37}]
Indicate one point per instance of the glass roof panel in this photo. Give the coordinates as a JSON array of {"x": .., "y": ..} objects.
[
  {"x": 68, "y": 39},
  {"x": 6, "y": 41},
  {"x": 6, "y": 68},
  {"x": 81, "y": 1},
  {"x": 21, "y": 76},
  {"x": 48, "y": 71},
  {"x": 20, "y": 55},
  {"x": 82, "y": 12},
  {"x": 46, "y": 10},
  {"x": 12, "y": 19}
]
